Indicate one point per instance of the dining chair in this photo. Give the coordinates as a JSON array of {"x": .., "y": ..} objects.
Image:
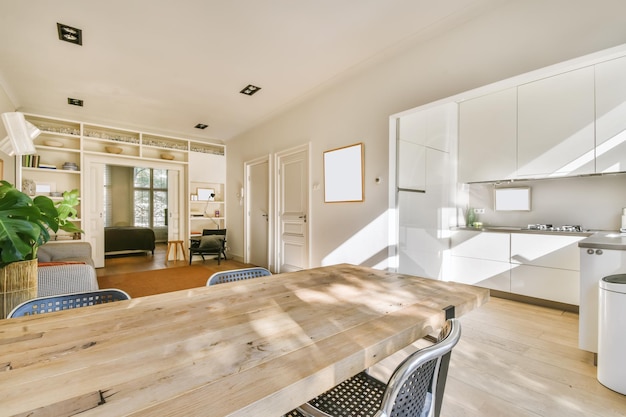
[
  {"x": 60, "y": 302},
  {"x": 410, "y": 391},
  {"x": 212, "y": 242},
  {"x": 237, "y": 275}
]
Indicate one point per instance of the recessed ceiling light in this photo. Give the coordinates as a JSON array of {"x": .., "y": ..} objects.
[
  {"x": 70, "y": 34},
  {"x": 250, "y": 89},
  {"x": 201, "y": 126},
  {"x": 75, "y": 102}
]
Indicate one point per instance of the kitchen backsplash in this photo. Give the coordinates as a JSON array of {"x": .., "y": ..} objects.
[{"x": 594, "y": 202}]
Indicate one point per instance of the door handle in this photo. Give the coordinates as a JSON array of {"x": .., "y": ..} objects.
[{"x": 303, "y": 217}]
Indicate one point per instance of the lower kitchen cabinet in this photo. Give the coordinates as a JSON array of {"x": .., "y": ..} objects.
[
  {"x": 560, "y": 285},
  {"x": 480, "y": 258},
  {"x": 481, "y": 272},
  {"x": 539, "y": 265}
]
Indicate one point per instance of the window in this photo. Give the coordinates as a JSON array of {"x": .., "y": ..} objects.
[{"x": 150, "y": 197}]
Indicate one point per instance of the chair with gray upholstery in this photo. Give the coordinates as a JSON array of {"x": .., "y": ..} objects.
[
  {"x": 53, "y": 303},
  {"x": 237, "y": 275},
  {"x": 411, "y": 390},
  {"x": 212, "y": 242}
]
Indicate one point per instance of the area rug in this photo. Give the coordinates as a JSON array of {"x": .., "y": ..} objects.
[{"x": 139, "y": 284}]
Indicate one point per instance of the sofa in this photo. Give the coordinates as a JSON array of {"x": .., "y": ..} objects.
[{"x": 65, "y": 268}]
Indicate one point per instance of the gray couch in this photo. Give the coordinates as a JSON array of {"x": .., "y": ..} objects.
[{"x": 54, "y": 277}]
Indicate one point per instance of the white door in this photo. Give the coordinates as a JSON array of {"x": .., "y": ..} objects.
[
  {"x": 95, "y": 211},
  {"x": 257, "y": 212},
  {"x": 293, "y": 203}
]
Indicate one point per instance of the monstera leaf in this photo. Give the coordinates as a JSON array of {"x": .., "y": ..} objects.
[{"x": 25, "y": 223}]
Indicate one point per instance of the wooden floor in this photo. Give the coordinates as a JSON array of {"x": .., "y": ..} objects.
[
  {"x": 514, "y": 359},
  {"x": 146, "y": 262}
]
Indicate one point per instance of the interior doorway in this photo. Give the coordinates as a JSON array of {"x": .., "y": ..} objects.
[
  {"x": 94, "y": 201},
  {"x": 292, "y": 209},
  {"x": 257, "y": 209}
]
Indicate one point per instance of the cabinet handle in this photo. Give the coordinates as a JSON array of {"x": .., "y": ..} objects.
[
  {"x": 599, "y": 252},
  {"x": 590, "y": 251}
]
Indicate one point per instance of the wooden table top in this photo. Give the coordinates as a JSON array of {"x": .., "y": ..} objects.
[{"x": 259, "y": 347}]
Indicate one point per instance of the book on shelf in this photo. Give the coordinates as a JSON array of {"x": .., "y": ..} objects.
[
  {"x": 47, "y": 166},
  {"x": 30, "y": 161}
]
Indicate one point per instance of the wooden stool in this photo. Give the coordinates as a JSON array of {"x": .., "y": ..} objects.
[{"x": 175, "y": 244}]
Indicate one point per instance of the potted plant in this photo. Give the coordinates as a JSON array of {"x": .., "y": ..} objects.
[{"x": 25, "y": 225}]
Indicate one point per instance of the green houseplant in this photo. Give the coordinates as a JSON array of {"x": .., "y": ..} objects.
[{"x": 25, "y": 225}]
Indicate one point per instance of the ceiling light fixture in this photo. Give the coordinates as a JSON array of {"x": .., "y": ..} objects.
[
  {"x": 75, "y": 102},
  {"x": 201, "y": 126},
  {"x": 70, "y": 34},
  {"x": 250, "y": 89}
]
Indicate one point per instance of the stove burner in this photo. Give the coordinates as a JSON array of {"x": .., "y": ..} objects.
[{"x": 550, "y": 228}]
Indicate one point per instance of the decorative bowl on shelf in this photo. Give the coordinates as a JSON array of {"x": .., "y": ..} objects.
[
  {"x": 113, "y": 149},
  {"x": 167, "y": 156},
  {"x": 54, "y": 143}
]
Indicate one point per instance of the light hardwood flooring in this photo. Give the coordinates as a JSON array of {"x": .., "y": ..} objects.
[{"x": 514, "y": 359}]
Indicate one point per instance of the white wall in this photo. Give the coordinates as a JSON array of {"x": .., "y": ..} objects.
[
  {"x": 516, "y": 38},
  {"x": 6, "y": 105}
]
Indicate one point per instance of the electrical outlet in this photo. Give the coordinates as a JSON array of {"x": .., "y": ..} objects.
[{"x": 479, "y": 211}]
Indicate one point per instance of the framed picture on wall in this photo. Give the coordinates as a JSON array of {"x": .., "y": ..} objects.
[
  {"x": 343, "y": 174},
  {"x": 205, "y": 194}
]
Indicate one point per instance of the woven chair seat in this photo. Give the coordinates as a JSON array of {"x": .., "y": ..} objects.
[
  {"x": 360, "y": 395},
  {"x": 410, "y": 392}
]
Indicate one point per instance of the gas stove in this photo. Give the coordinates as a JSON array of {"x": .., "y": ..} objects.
[{"x": 551, "y": 228}]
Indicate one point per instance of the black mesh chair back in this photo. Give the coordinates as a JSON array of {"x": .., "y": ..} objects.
[
  {"x": 410, "y": 391},
  {"x": 53, "y": 303},
  {"x": 237, "y": 275}
]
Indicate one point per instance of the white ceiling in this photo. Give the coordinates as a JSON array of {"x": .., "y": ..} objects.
[{"x": 162, "y": 66}]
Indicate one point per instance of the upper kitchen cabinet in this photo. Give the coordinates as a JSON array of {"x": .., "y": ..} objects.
[
  {"x": 430, "y": 129},
  {"x": 556, "y": 125},
  {"x": 488, "y": 137},
  {"x": 433, "y": 128},
  {"x": 611, "y": 116}
]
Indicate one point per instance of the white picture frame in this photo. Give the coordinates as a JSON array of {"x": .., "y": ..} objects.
[
  {"x": 343, "y": 174},
  {"x": 204, "y": 194}
]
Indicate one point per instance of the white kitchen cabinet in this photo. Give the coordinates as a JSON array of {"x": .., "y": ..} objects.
[
  {"x": 551, "y": 251},
  {"x": 546, "y": 266},
  {"x": 483, "y": 273},
  {"x": 417, "y": 134},
  {"x": 560, "y": 285},
  {"x": 433, "y": 128},
  {"x": 556, "y": 125},
  {"x": 411, "y": 166},
  {"x": 611, "y": 116},
  {"x": 488, "y": 137},
  {"x": 421, "y": 222},
  {"x": 480, "y": 258},
  {"x": 595, "y": 264},
  {"x": 482, "y": 245}
]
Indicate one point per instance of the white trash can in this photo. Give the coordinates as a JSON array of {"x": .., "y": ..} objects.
[{"x": 611, "y": 332}]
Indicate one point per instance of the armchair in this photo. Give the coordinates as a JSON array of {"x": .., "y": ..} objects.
[{"x": 212, "y": 242}]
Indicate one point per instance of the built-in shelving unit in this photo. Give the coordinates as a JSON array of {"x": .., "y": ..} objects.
[
  {"x": 206, "y": 214},
  {"x": 63, "y": 145}
]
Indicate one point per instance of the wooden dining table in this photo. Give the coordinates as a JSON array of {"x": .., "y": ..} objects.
[{"x": 259, "y": 347}]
